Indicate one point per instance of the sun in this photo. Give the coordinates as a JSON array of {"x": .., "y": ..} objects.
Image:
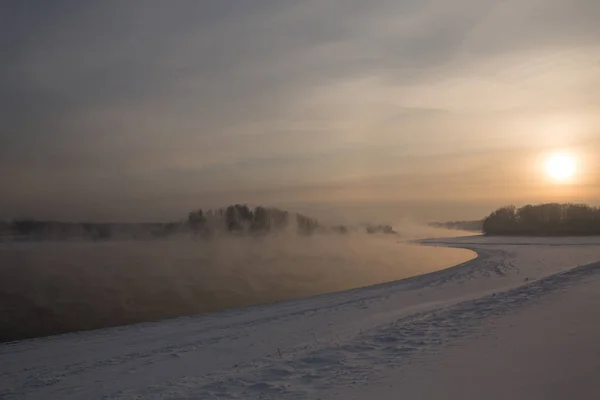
[{"x": 561, "y": 167}]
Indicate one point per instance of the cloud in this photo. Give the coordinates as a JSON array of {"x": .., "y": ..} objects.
[{"x": 225, "y": 94}]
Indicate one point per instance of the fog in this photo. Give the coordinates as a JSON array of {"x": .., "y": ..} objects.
[{"x": 55, "y": 287}]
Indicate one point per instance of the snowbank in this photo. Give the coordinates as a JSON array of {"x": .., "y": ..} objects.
[{"x": 356, "y": 344}]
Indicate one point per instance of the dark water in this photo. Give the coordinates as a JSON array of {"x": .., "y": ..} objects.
[{"x": 55, "y": 287}]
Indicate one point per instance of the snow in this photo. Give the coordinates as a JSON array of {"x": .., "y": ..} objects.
[
  {"x": 546, "y": 350},
  {"x": 517, "y": 322}
]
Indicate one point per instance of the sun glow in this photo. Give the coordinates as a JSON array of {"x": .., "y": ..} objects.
[{"x": 561, "y": 167}]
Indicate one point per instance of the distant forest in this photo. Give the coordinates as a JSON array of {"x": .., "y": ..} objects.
[
  {"x": 544, "y": 220},
  {"x": 238, "y": 219}
]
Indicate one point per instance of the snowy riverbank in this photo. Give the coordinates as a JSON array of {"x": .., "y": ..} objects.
[{"x": 518, "y": 309}]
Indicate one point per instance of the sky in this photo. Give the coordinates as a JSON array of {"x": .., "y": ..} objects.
[{"x": 144, "y": 110}]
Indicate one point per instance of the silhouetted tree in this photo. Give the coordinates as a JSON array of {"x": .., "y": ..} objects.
[
  {"x": 196, "y": 221},
  {"x": 232, "y": 222},
  {"x": 544, "y": 219},
  {"x": 306, "y": 225},
  {"x": 279, "y": 218},
  {"x": 261, "y": 222},
  {"x": 501, "y": 221},
  {"x": 244, "y": 213}
]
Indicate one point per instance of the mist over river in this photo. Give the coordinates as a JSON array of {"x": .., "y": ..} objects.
[{"x": 56, "y": 287}]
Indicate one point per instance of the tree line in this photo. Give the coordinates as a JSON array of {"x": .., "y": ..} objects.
[
  {"x": 544, "y": 220},
  {"x": 240, "y": 218},
  {"x": 236, "y": 219}
]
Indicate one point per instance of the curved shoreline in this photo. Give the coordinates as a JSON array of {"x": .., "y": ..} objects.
[{"x": 301, "y": 348}]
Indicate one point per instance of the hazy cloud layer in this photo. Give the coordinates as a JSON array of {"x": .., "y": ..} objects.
[{"x": 113, "y": 108}]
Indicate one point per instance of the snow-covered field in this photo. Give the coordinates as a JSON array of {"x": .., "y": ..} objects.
[{"x": 519, "y": 322}]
